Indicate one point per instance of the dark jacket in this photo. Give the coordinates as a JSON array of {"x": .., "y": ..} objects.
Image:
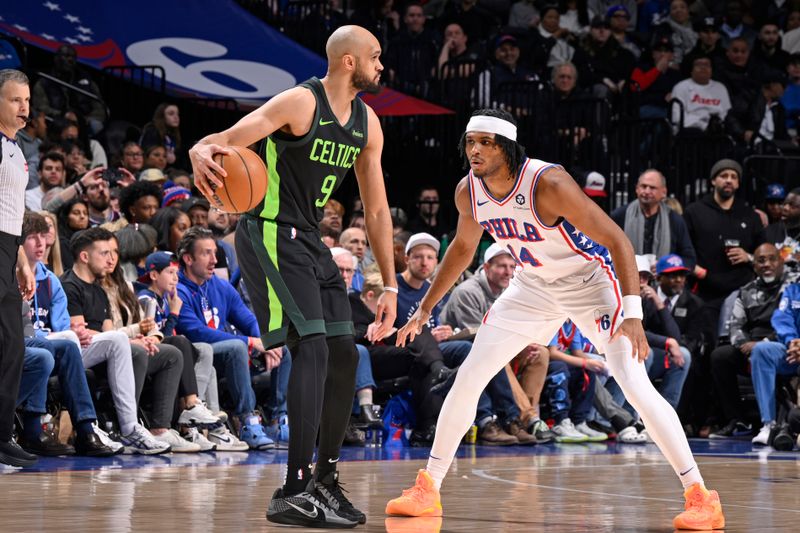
[
  {"x": 686, "y": 313},
  {"x": 658, "y": 325},
  {"x": 753, "y": 310},
  {"x": 412, "y": 58},
  {"x": 747, "y": 113},
  {"x": 709, "y": 227},
  {"x": 595, "y": 62},
  {"x": 679, "y": 241}
]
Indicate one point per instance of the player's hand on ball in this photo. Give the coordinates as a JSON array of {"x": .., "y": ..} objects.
[
  {"x": 632, "y": 328},
  {"x": 204, "y": 167},
  {"x": 385, "y": 315},
  {"x": 413, "y": 327}
]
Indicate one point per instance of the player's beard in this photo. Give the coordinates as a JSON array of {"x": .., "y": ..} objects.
[{"x": 362, "y": 82}]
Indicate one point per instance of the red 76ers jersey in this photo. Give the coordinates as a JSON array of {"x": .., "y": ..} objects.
[{"x": 549, "y": 253}]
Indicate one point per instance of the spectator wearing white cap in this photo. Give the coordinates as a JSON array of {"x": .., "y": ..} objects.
[
  {"x": 466, "y": 307},
  {"x": 595, "y": 188}
]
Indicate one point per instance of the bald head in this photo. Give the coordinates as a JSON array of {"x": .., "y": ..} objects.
[
  {"x": 349, "y": 40},
  {"x": 767, "y": 262}
]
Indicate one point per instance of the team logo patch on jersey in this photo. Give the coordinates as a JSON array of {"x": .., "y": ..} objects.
[{"x": 520, "y": 198}]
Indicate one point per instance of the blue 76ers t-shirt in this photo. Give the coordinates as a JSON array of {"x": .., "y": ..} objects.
[{"x": 408, "y": 299}]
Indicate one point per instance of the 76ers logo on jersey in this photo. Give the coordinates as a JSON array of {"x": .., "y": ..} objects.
[{"x": 602, "y": 320}]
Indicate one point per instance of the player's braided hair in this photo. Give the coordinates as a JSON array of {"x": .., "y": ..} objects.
[{"x": 514, "y": 152}]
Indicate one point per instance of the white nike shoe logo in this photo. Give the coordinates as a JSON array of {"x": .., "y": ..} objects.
[
  {"x": 333, "y": 460},
  {"x": 307, "y": 513}
]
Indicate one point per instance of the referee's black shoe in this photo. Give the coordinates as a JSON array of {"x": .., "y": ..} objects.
[
  {"x": 307, "y": 509},
  {"x": 12, "y": 454}
]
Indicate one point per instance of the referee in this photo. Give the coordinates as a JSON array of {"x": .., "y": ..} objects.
[{"x": 15, "y": 96}]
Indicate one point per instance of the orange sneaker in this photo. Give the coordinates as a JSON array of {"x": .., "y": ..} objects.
[
  {"x": 420, "y": 500},
  {"x": 703, "y": 510}
]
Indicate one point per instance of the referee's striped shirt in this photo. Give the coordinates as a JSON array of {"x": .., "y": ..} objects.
[{"x": 13, "y": 179}]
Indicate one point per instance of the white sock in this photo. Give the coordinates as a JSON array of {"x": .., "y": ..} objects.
[
  {"x": 492, "y": 349},
  {"x": 659, "y": 417},
  {"x": 364, "y": 396}
]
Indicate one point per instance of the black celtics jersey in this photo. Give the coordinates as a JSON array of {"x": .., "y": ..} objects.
[{"x": 304, "y": 171}]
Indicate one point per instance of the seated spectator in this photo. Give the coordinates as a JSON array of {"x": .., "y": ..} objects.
[
  {"x": 140, "y": 201},
  {"x": 209, "y": 306},
  {"x": 524, "y": 14},
  {"x": 164, "y": 130},
  {"x": 155, "y": 157},
  {"x": 73, "y": 126},
  {"x": 73, "y": 216},
  {"x": 702, "y": 100},
  {"x": 682, "y": 304},
  {"x": 619, "y": 19},
  {"x": 379, "y": 18},
  {"x": 52, "y": 174},
  {"x": 332, "y": 216},
  {"x": 181, "y": 178},
  {"x": 760, "y": 116},
  {"x": 170, "y": 224},
  {"x": 677, "y": 27},
  {"x": 601, "y": 7},
  {"x": 791, "y": 96},
  {"x": 773, "y": 204},
  {"x": 549, "y": 46},
  {"x": 654, "y": 79},
  {"x": 54, "y": 100},
  {"x": 733, "y": 26},
  {"x": 412, "y": 55},
  {"x": 354, "y": 240},
  {"x": 749, "y": 326},
  {"x": 570, "y": 386},
  {"x": 136, "y": 242},
  {"x": 465, "y": 308},
  {"x": 603, "y": 64},
  {"x": 132, "y": 158},
  {"x": 770, "y": 359},
  {"x": 61, "y": 355},
  {"x": 506, "y": 69},
  {"x": 90, "y": 318},
  {"x": 575, "y": 17},
  {"x": 174, "y": 195},
  {"x": 199, "y": 211},
  {"x": 668, "y": 360},
  {"x": 471, "y": 15},
  {"x": 99, "y": 200},
  {"x": 29, "y": 139},
  {"x": 428, "y": 218},
  {"x": 457, "y": 59},
  {"x": 197, "y": 207},
  {"x": 52, "y": 253},
  {"x": 708, "y": 45},
  {"x": 652, "y": 227},
  {"x": 785, "y": 233},
  {"x": 736, "y": 71},
  {"x": 767, "y": 49},
  {"x": 75, "y": 159}
]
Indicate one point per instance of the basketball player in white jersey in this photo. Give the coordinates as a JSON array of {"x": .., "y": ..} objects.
[{"x": 573, "y": 262}]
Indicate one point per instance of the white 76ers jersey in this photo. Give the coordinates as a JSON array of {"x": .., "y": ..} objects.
[{"x": 549, "y": 253}]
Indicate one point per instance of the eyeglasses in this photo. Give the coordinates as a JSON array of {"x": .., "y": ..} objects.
[{"x": 134, "y": 154}]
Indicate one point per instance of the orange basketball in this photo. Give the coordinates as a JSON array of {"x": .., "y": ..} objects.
[{"x": 245, "y": 184}]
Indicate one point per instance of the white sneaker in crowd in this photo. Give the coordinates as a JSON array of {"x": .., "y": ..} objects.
[
  {"x": 594, "y": 436},
  {"x": 629, "y": 435},
  {"x": 565, "y": 432},
  {"x": 763, "y": 435},
  {"x": 226, "y": 441},
  {"x": 177, "y": 443},
  {"x": 106, "y": 439},
  {"x": 198, "y": 415},
  {"x": 142, "y": 442},
  {"x": 194, "y": 435}
]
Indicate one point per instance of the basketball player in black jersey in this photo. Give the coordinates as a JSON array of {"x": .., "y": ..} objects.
[{"x": 313, "y": 134}]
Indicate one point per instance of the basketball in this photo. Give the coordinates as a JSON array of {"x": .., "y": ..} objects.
[{"x": 245, "y": 184}]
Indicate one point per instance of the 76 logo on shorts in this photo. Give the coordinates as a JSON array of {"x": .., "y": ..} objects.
[{"x": 603, "y": 321}]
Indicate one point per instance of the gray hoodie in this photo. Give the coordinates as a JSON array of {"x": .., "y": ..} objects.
[{"x": 468, "y": 303}]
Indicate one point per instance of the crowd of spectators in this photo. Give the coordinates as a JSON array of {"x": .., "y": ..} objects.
[{"x": 138, "y": 279}]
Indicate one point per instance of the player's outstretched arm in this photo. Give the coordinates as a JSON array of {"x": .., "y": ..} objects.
[
  {"x": 284, "y": 110},
  {"x": 557, "y": 196},
  {"x": 378, "y": 221},
  {"x": 457, "y": 258}
]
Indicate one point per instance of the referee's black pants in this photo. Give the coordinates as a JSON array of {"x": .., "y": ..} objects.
[{"x": 12, "y": 343}]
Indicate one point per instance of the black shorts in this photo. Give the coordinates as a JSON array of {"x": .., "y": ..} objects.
[{"x": 292, "y": 281}]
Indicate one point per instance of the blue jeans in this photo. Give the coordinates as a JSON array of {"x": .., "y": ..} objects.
[
  {"x": 497, "y": 397},
  {"x": 279, "y": 384},
  {"x": 36, "y": 369},
  {"x": 567, "y": 393},
  {"x": 71, "y": 376},
  {"x": 364, "y": 376},
  {"x": 673, "y": 377},
  {"x": 231, "y": 360},
  {"x": 768, "y": 360}
]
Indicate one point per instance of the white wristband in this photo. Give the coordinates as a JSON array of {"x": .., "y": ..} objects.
[
  {"x": 390, "y": 289},
  {"x": 632, "y": 307}
]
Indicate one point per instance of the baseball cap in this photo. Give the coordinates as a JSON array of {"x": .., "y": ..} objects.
[
  {"x": 501, "y": 40},
  {"x": 775, "y": 191},
  {"x": 195, "y": 201},
  {"x": 707, "y": 23},
  {"x": 619, "y": 7},
  {"x": 643, "y": 264},
  {"x": 160, "y": 260},
  {"x": 599, "y": 21},
  {"x": 595, "y": 185},
  {"x": 422, "y": 238},
  {"x": 493, "y": 251},
  {"x": 670, "y": 263},
  {"x": 152, "y": 174}
]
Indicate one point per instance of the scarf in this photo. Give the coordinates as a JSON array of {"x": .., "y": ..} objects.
[{"x": 634, "y": 229}]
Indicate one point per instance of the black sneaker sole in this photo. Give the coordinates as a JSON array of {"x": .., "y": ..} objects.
[
  {"x": 292, "y": 519},
  {"x": 15, "y": 461}
]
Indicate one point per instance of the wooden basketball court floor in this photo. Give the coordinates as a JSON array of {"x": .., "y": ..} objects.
[{"x": 552, "y": 488}]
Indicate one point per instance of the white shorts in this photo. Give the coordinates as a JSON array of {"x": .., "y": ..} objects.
[{"x": 537, "y": 309}]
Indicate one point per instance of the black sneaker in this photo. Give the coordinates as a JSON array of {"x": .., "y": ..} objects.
[
  {"x": 330, "y": 488},
  {"x": 12, "y": 454},
  {"x": 734, "y": 429},
  {"x": 307, "y": 509}
]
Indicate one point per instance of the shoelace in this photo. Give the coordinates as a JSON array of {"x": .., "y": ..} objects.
[
  {"x": 415, "y": 493},
  {"x": 336, "y": 493}
]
